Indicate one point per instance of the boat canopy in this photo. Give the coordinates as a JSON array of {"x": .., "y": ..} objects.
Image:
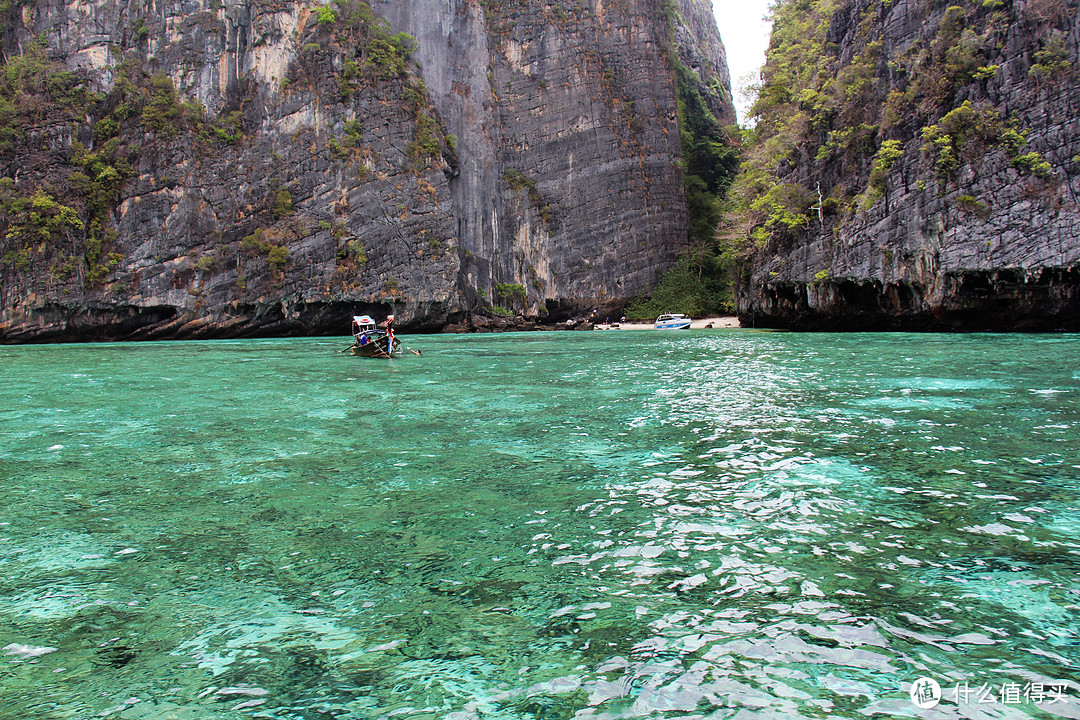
[{"x": 363, "y": 323}]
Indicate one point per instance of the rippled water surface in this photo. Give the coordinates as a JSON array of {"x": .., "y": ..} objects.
[{"x": 720, "y": 524}]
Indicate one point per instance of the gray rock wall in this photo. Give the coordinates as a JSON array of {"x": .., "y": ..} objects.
[
  {"x": 992, "y": 246},
  {"x": 555, "y": 169},
  {"x": 568, "y": 143},
  {"x": 370, "y": 228}
]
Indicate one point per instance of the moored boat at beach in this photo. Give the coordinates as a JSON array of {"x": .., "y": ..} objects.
[
  {"x": 672, "y": 321},
  {"x": 369, "y": 340}
]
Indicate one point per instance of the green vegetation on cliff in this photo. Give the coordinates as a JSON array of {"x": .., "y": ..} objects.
[
  {"x": 59, "y": 214},
  {"x": 833, "y": 122},
  {"x": 372, "y": 55},
  {"x": 34, "y": 90},
  {"x": 911, "y": 166},
  {"x": 67, "y": 151},
  {"x": 846, "y": 119}
]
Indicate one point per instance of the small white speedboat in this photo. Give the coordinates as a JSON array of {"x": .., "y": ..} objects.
[{"x": 672, "y": 321}]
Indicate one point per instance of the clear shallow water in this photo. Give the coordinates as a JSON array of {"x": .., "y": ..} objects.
[{"x": 722, "y": 524}]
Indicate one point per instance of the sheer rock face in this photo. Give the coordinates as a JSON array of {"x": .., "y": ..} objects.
[
  {"x": 360, "y": 224},
  {"x": 991, "y": 244},
  {"x": 701, "y": 49},
  {"x": 531, "y": 148},
  {"x": 567, "y": 135}
]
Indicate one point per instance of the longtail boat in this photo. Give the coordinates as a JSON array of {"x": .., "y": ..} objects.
[{"x": 371, "y": 341}]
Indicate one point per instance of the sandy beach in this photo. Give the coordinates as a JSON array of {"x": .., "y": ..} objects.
[{"x": 727, "y": 321}]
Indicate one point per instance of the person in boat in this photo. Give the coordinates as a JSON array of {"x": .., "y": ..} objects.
[
  {"x": 362, "y": 339},
  {"x": 389, "y": 333}
]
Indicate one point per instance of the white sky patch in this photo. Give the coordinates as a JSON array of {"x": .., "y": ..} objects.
[{"x": 745, "y": 33}]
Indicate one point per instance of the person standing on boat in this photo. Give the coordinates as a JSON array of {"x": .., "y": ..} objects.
[{"x": 389, "y": 334}]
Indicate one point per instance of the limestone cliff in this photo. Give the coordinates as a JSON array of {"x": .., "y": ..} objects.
[
  {"x": 916, "y": 167},
  {"x": 214, "y": 168},
  {"x": 566, "y": 120}
]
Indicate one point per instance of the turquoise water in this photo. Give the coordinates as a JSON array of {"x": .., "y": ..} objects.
[{"x": 712, "y": 524}]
